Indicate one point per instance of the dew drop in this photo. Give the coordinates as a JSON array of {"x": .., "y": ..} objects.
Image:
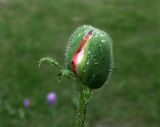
[
  {"x": 103, "y": 40},
  {"x": 101, "y": 35},
  {"x": 88, "y": 62},
  {"x": 95, "y": 62}
]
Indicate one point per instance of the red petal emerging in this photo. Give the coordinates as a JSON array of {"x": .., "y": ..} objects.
[{"x": 76, "y": 55}]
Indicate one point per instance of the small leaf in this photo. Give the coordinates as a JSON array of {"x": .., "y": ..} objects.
[
  {"x": 65, "y": 73},
  {"x": 51, "y": 61}
]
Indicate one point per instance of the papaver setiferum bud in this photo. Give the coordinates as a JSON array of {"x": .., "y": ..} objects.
[{"x": 89, "y": 56}]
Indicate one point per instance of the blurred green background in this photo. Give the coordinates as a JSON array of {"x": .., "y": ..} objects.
[{"x": 31, "y": 29}]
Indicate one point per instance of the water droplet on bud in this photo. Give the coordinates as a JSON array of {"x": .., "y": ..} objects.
[
  {"x": 95, "y": 62},
  {"x": 103, "y": 40},
  {"x": 88, "y": 62}
]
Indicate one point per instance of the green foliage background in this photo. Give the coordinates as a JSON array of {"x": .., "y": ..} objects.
[{"x": 31, "y": 29}]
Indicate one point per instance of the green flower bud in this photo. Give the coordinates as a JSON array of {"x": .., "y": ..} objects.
[{"x": 89, "y": 56}]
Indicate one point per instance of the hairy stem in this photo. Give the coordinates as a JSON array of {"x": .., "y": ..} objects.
[{"x": 84, "y": 97}]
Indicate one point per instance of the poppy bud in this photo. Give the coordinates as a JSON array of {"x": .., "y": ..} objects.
[{"x": 89, "y": 56}]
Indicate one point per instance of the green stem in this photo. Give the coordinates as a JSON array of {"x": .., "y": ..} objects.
[{"x": 84, "y": 97}]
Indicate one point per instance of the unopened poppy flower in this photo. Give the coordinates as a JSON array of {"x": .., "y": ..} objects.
[
  {"x": 89, "y": 56},
  {"x": 89, "y": 61}
]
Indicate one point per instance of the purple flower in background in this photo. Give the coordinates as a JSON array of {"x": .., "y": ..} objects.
[
  {"x": 26, "y": 103},
  {"x": 51, "y": 98}
]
